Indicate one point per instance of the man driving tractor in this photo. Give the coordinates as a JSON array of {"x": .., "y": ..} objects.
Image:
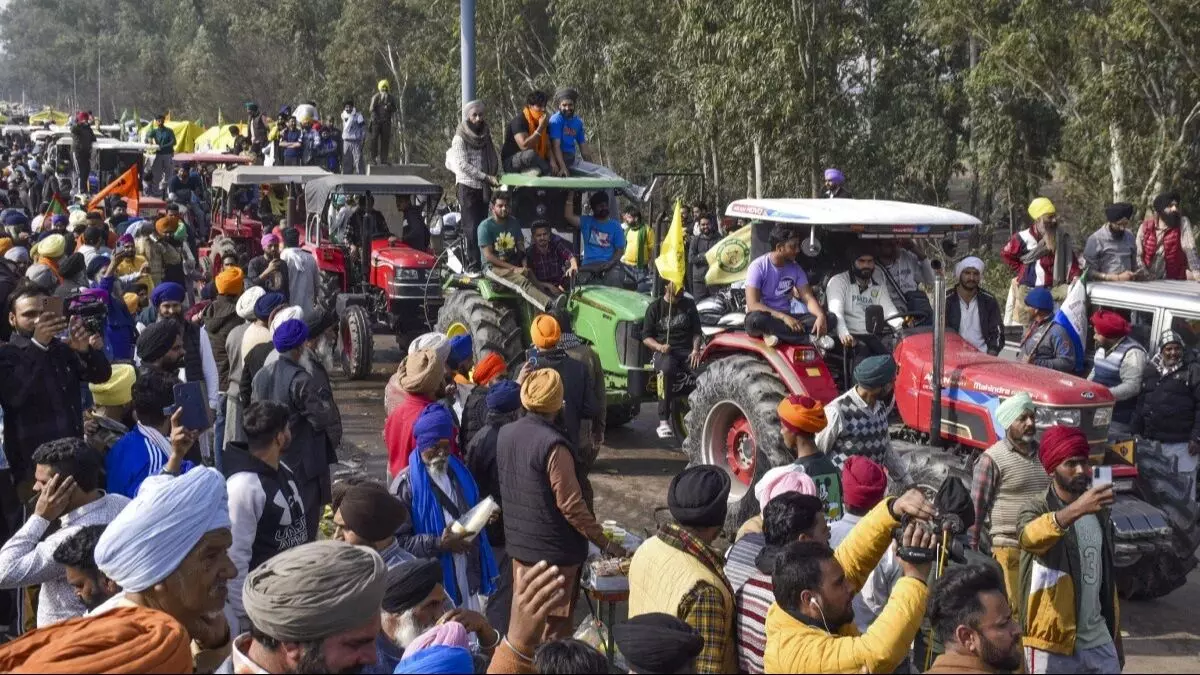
[
  {"x": 849, "y": 299},
  {"x": 502, "y": 244}
]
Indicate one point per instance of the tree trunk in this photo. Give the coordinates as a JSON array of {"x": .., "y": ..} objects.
[
  {"x": 716, "y": 171},
  {"x": 758, "y": 167},
  {"x": 1116, "y": 163}
]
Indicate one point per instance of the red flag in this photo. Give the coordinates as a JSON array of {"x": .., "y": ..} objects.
[{"x": 127, "y": 185}]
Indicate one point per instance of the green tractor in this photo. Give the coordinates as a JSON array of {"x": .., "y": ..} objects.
[{"x": 609, "y": 319}]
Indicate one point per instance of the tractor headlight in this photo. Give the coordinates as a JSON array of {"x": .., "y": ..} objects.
[
  {"x": 405, "y": 274},
  {"x": 1048, "y": 417},
  {"x": 1102, "y": 417}
]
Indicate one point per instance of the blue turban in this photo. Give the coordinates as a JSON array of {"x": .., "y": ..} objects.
[
  {"x": 14, "y": 218},
  {"x": 167, "y": 291},
  {"x": 460, "y": 350},
  {"x": 267, "y": 304},
  {"x": 1040, "y": 298},
  {"x": 98, "y": 263},
  {"x": 438, "y": 659},
  {"x": 435, "y": 424},
  {"x": 59, "y": 219},
  {"x": 289, "y": 335},
  {"x": 875, "y": 371},
  {"x": 504, "y": 396}
]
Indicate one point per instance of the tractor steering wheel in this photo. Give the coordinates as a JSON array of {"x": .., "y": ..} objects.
[{"x": 911, "y": 318}]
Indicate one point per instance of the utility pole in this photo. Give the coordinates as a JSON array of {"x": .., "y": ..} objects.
[
  {"x": 467, "y": 61},
  {"x": 99, "y": 101}
]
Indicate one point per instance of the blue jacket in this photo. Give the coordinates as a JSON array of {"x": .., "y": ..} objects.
[
  {"x": 120, "y": 334},
  {"x": 131, "y": 460}
]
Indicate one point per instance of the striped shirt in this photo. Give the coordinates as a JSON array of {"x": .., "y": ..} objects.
[
  {"x": 753, "y": 600},
  {"x": 739, "y": 561}
]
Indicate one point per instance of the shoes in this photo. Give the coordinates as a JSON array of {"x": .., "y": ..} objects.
[
  {"x": 664, "y": 430},
  {"x": 771, "y": 340}
]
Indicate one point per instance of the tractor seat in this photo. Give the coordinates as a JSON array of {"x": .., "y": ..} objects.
[{"x": 733, "y": 321}]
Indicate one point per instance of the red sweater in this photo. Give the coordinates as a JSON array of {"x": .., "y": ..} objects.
[{"x": 398, "y": 432}]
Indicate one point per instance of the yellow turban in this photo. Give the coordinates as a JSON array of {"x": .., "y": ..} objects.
[
  {"x": 545, "y": 332},
  {"x": 542, "y": 392},
  {"x": 230, "y": 281},
  {"x": 5, "y": 244},
  {"x": 384, "y": 86},
  {"x": 166, "y": 225},
  {"x": 422, "y": 372},
  {"x": 131, "y": 302},
  {"x": 52, "y": 247},
  {"x": 119, "y": 388},
  {"x": 1041, "y": 207}
]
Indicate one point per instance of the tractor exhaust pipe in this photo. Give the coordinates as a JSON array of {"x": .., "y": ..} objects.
[{"x": 939, "y": 346}]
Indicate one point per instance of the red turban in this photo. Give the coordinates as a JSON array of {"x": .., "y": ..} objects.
[
  {"x": 1061, "y": 443},
  {"x": 1109, "y": 324},
  {"x": 487, "y": 369},
  {"x": 864, "y": 483}
]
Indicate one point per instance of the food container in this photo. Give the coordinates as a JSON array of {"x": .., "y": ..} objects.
[{"x": 472, "y": 522}]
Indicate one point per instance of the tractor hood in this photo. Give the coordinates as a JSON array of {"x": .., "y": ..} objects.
[
  {"x": 400, "y": 255},
  {"x": 966, "y": 368},
  {"x": 624, "y": 305}
]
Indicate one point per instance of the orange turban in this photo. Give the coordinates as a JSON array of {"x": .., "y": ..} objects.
[
  {"x": 545, "y": 332},
  {"x": 131, "y": 302},
  {"x": 487, "y": 369},
  {"x": 230, "y": 281},
  {"x": 123, "y": 640},
  {"x": 801, "y": 414},
  {"x": 166, "y": 225},
  {"x": 5, "y": 244}
]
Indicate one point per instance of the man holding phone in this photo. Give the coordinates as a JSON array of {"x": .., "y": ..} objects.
[
  {"x": 159, "y": 435},
  {"x": 1067, "y": 565},
  {"x": 42, "y": 376}
]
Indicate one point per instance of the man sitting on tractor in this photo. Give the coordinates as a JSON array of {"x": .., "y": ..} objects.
[
  {"x": 672, "y": 330},
  {"x": 1046, "y": 343},
  {"x": 602, "y": 236},
  {"x": 857, "y": 421},
  {"x": 502, "y": 245},
  {"x": 772, "y": 280},
  {"x": 848, "y": 301},
  {"x": 901, "y": 268},
  {"x": 1119, "y": 364},
  {"x": 361, "y": 229},
  {"x": 416, "y": 232},
  {"x": 551, "y": 258}
]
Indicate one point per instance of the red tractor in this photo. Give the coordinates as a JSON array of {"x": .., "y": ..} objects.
[
  {"x": 731, "y": 420},
  {"x": 369, "y": 276},
  {"x": 240, "y": 213}
]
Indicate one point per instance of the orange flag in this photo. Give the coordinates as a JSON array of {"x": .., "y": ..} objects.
[{"x": 127, "y": 185}]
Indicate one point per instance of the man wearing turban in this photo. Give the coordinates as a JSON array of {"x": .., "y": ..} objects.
[
  {"x": 857, "y": 421},
  {"x": 1168, "y": 411},
  {"x": 314, "y": 418},
  {"x": 1119, "y": 364},
  {"x": 1046, "y": 343},
  {"x": 971, "y": 311},
  {"x": 1040, "y": 255},
  {"x": 366, "y": 514},
  {"x": 535, "y": 457},
  {"x": 199, "y": 363},
  {"x": 579, "y": 392},
  {"x": 314, "y": 609},
  {"x": 268, "y": 270},
  {"x": 421, "y": 380},
  {"x": 835, "y": 185},
  {"x": 379, "y": 125},
  {"x": 1111, "y": 251},
  {"x": 1006, "y": 477},
  {"x": 677, "y": 571},
  {"x": 168, "y": 550},
  {"x": 111, "y": 416},
  {"x": 1166, "y": 243},
  {"x": 474, "y": 408},
  {"x": 439, "y": 490},
  {"x": 1066, "y": 546},
  {"x": 219, "y": 318}
]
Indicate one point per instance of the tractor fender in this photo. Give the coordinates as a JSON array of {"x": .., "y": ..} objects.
[
  {"x": 329, "y": 259},
  {"x": 347, "y": 300},
  {"x": 812, "y": 379}
]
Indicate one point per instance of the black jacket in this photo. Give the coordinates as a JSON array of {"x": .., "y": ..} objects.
[
  {"x": 990, "y": 318},
  {"x": 481, "y": 460},
  {"x": 220, "y": 318},
  {"x": 1169, "y": 408},
  {"x": 274, "y": 494},
  {"x": 579, "y": 401},
  {"x": 474, "y": 415}
]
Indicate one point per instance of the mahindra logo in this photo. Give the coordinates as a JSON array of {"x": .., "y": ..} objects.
[{"x": 1089, "y": 395}]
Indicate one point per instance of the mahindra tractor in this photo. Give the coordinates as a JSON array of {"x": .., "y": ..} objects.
[
  {"x": 607, "y": 318},
  {"x": 946, "y": 392},
  {"x": 368, "y": 275},
  {"x": 240, "y": 212}
]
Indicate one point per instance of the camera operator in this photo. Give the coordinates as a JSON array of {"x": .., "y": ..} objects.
[
  {"x": 119, "y": 326},
  {"x": 969, "y": 610},
  {"x": 1069, "y": 602},
  {"x": 810, "y": 628}
]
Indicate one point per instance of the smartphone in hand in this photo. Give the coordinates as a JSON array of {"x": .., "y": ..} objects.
[
  {"x": 1101, "y": 475},
  {"x": 192, "y": 398},
  {"x": 52, "y": 305}
]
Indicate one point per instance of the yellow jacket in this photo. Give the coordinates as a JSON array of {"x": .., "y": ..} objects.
[{"x": 795, "y": 647}]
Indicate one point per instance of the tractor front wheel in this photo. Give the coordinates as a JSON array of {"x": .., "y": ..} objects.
[
  {"x": 732, "y": 423},
  {"x": 491, "y": 325},
  {"x": 355, "y": 331}
]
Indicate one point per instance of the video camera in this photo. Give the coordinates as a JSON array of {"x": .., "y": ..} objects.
[
  {"x": 955, "y": 515},
  {"x": 91, "y": 310}
]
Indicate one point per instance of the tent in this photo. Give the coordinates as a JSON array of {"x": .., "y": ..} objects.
[
  {"x": 186, "y": 134},
  {"x": 218, "y": 138},
  {"x": 49, "y": 115}
]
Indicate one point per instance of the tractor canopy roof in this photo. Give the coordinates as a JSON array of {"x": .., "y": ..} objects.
[
  {"x": 265, "y": 175},
  {"x": 318, "y": 191},
  {"x": 209, "y": 158},
  {"x": 867, "y": 217},
  {"x": 520, "y": 180},
  {"x": 106, "y": 143}
]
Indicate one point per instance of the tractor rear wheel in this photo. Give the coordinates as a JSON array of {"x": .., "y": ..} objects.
[
  {"x": 929, "y": 467},
  {"x": 329, "y": 287},
  {"x": 492, "y": 326},
  {"x": 732, "y": 423},
  {"x": 355, "y": 330}
]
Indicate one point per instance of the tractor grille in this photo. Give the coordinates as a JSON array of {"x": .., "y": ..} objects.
[
  {"x": 415, "y": 284},
  {"x": 630, "y": 350}
]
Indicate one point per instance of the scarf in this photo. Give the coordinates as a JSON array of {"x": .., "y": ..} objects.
[
  {"x": 1165, "y": 371},
  {"x": 482, "y": 141},
  {"x": 428, "y": 518},
  {"x": 532, "y": 119}
]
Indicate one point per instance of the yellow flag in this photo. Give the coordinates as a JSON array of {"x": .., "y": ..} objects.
[
  {"x": 729, "y": 258},
  {"x": 672, "y": 259}
]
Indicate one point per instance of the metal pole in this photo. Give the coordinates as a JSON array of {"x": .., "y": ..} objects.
[
  {"x": 99, "y": 101},
  {"x": 939, "y": 346},
  {"x": 467, "y": 28}
]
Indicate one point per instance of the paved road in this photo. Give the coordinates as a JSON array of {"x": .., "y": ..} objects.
[{"x": 631, "y": 478}]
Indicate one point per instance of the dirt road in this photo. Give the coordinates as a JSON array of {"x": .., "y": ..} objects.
[{"x": 631, "y": 478}]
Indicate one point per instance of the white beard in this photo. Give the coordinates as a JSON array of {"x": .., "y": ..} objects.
[{"x": 406, "y": 630}]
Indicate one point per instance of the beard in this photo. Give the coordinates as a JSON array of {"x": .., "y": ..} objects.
[
  {"x": 1173, "y": 219},
  {"x": 407, "y": 630},
  {"x": 313, "y": 662},
  {"x": 1000, "y": 661},
  {"x": 437, "y": 468},
  {"x": 1075, "y": 486},
  {"x": 1050, "y": 236}
]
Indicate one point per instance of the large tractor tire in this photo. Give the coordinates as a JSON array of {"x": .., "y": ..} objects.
[
  {"x": 929, "y": 467},
  {"x": 329, "y": 287},
  {"x": 492, "y": 326},
  {"x": 355, "y": 331},
  {"x": 732, "y": 423},
  {"x": 1156, "y": 574},
  {"x": 621, "y": 414}
]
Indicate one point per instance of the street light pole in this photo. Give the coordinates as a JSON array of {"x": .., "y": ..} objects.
[{"x": 467, "y": 29}]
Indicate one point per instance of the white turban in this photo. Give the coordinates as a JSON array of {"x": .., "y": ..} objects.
[
  {"x": 291, "y": 312},
  {"x": 1013, "y": 408},
  {"x": 439, "y": 343},
  {"x": 968, "y": 263},
  {"x": 77, "y": 218},
  {"x": 151, "y": 536},
  {"x": 245, "y": 302}
]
